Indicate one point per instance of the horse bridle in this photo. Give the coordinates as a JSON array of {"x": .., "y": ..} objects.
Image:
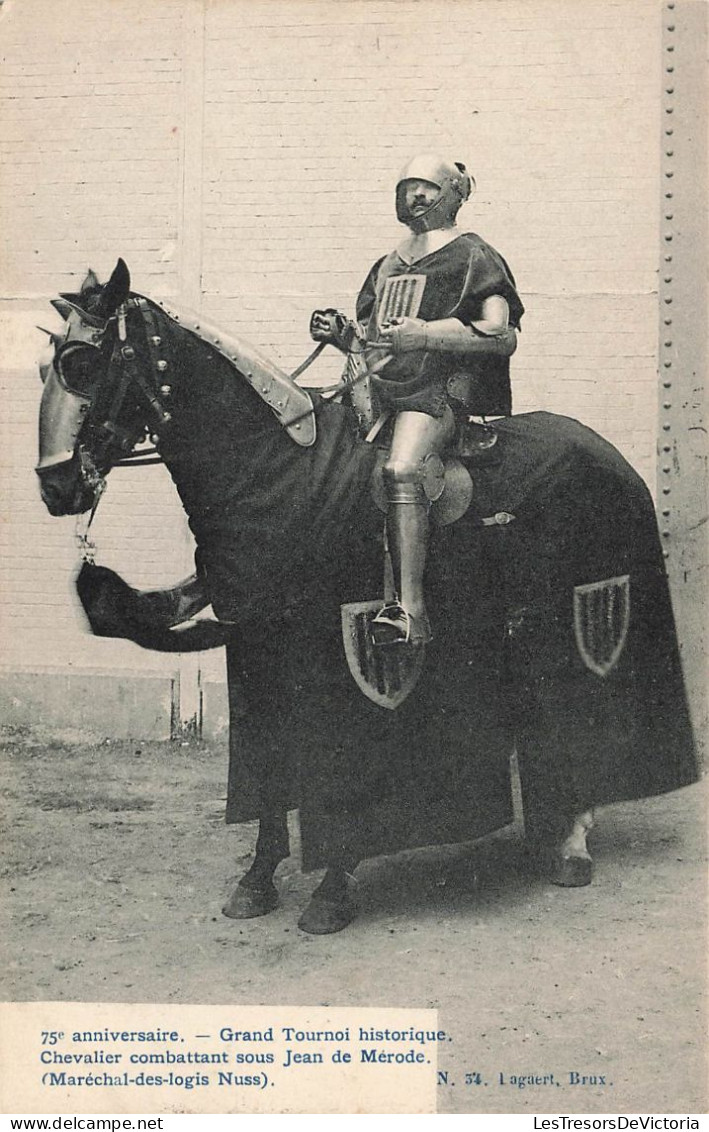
[{"x": 122, "y": 375}]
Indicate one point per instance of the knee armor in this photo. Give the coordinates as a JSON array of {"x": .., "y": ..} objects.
[{"x": 414, "y": 481}]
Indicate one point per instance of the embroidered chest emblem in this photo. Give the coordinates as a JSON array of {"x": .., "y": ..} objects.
[{"x": 400, "y": 298}]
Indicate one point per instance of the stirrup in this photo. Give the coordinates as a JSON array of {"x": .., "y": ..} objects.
[{"x": 392, "y": 625}]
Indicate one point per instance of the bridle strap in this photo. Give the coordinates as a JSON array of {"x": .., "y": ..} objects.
[
  {"x": 160, "y": 350},
  {"x": 308, "y": 362},
  {"x": 85, "y": 544},
  {"x": 118, "y": 375},
  {"x": 349, "y": 381},
  {"x": 161, "y": 417}
]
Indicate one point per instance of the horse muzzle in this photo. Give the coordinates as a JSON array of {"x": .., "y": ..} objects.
[
  {"x": 63, "y": 485},
  {"x": 63, "y": 488}
]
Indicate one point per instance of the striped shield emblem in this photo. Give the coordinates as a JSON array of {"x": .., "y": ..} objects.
[
  {"x": 385, "y": 675},
  {"x": 401, "y": 298},
  {"x": 601, "y": 620}
]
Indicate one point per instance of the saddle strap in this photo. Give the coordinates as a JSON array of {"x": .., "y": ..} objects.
[{"x": 499, "y": 519}]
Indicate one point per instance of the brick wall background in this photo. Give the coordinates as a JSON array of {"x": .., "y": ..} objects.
[
  {"x": 241, "y": 155},
  {"x": 312, "y": 108}
]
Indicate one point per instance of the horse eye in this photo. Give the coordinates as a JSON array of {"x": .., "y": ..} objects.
[{"x": 80, "y": 369}]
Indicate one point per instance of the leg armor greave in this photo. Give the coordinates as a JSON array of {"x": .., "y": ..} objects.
[{"x": 417, "y": 439}]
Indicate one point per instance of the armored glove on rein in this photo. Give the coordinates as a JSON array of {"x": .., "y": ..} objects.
[{"x": 333, "y": 328}]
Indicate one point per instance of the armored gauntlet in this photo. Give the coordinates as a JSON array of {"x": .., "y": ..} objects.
[{"x": 332, "y": 327}]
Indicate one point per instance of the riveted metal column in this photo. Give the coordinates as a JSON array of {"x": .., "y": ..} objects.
[
  {"x": 190, "y": 253},
  {"x": 682, "y": 353}
]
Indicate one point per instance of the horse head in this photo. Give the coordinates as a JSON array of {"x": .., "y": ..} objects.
[
  {"x": 92, "y": 412},
  {"x": 106, "y": 388}
]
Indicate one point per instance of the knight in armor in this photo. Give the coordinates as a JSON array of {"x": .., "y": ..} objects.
[{"x": 441, "y": 313}]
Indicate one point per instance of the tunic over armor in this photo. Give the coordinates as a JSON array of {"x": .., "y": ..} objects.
[{"x": 452, "y": 281}]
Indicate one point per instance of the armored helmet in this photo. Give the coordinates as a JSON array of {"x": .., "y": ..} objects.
[{"x": 452, "y": 180}]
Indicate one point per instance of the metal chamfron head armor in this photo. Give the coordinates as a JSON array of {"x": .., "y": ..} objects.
[{"x": 424, "y": 214}]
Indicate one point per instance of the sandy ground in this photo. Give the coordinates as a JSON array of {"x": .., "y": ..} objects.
[{"x": 118, "y": 861}]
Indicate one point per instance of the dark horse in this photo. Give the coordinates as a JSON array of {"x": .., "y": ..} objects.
[{"x": 553, "y": 630}]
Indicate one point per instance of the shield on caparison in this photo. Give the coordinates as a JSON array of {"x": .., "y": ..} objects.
[
  {"x": 601, "y": 621},
  {"x": 386, "y": 674}
]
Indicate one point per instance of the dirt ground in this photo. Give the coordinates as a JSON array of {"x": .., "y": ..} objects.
[{"x": 118, "y": 860}]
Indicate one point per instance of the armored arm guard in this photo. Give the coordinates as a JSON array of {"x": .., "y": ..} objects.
[{"x": 448, "y": 336}]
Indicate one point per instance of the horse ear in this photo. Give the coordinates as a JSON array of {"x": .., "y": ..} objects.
[
  {"x": 116, "y": 291},
  {"x": 62, "y": 307},
  {"x": 90, "y": 282},
  {"x": 55, "y": 338}
]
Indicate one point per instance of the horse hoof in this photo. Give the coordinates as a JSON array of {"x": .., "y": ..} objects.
[
  {"x": 324, "y": 916},
  {"x": 571, "y": 872},
  {"x": 248, "y": 903}
]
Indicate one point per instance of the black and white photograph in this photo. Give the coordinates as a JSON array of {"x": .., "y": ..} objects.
[{"x": 353, "y": 683}]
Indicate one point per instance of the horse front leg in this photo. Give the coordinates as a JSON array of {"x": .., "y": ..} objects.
[
  {"x": 332, "y": 906},
  {"x": 553, "y": 793},
  {"x": 571, "y": 862},
  {"x": 256, "y": 894}
]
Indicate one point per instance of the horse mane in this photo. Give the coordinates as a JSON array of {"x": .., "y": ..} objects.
[{"x": 265, "y": 512}]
